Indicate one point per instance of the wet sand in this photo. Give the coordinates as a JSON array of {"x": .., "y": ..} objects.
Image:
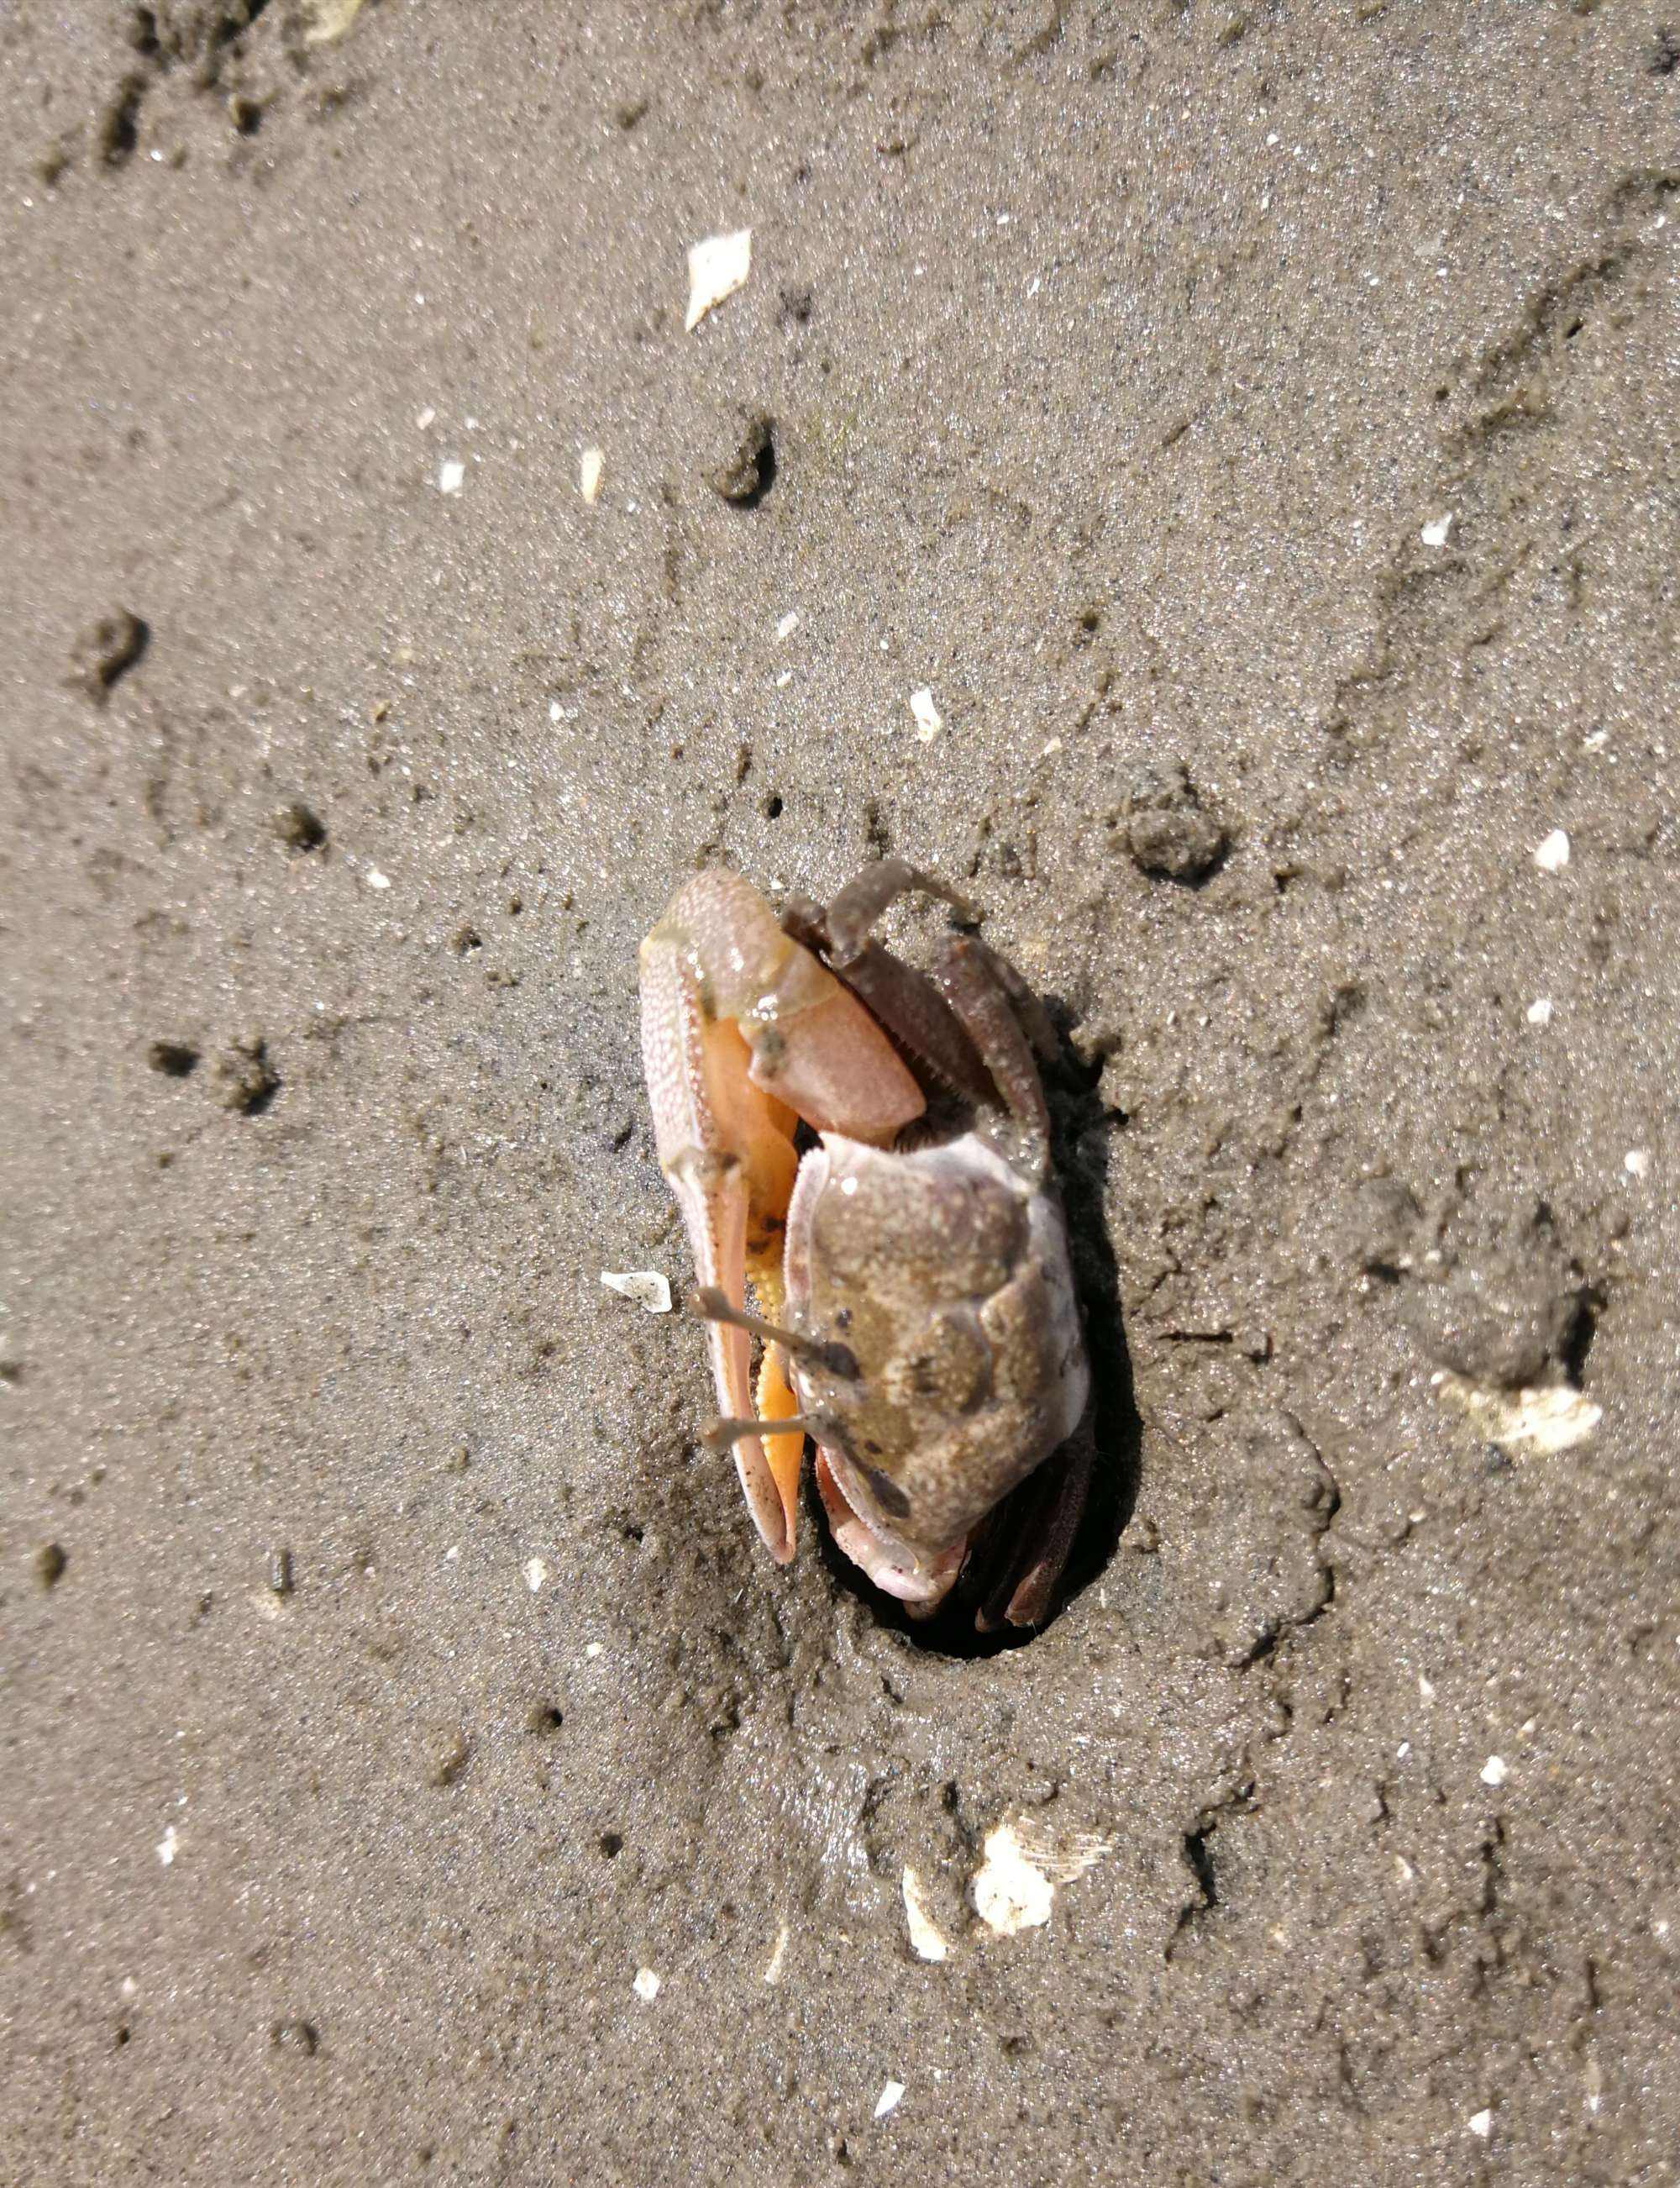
[{"x": 1255, "y": 429}]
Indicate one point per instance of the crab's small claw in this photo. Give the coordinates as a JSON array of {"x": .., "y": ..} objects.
[{"x": 743, "y": 1034}]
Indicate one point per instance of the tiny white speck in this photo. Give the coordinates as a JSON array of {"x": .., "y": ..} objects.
[
  {"x": 1033, "y": 285},
  {"x": 129, "y": 1987},
  {"x": 593, "y": 1648},
  {"x": 1480, "y": 2123},
  {"x": 1434, "y": 534},
  {"x": 1553, "y": 855},
  {"x": 1637, "y": 1162},
  {"x": 1052, "y": 749},
  {"x": 773, "y": 1966},
  {"x": 424, "y": 418},
  {"x": 553, "y": 710},
  {"x": 1403, "y": 1750},
  {"x": 472, "y": 425},
  {"x": 646, "y": 1985},
  {"x": 167, "y": 1846},
  {"x": 590, "y": 465},
  {"x": 888, "y": 2100},
  {"x": 848, "y": 1186},
  {"x": 377, "y": 880},
  {"x": 1426, "y": 1688},
  {"x": 450, "y": 476},
  {"x": 788, "y": 625},
  {"x": 1495, "y": 1771},
  {"x": 1404, "y": 1869},
  {"x": 784, "y": 678},
  {"x": 1597, "y": 742},
  {"x": 1540, "y": 1010},
  {"x": 929, "y": 719},
  {"x": 536, "y": 1572},
  {"x": 452, "y": 1553}
]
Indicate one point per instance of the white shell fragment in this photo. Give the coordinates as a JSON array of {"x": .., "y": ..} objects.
[
  {"x": 1553, "y": 855},
  {"x": 590, "y": 465},
  {"x": 774, "y": 1965},
  {"x": 1495, "y": 1771},
  {"x": 1543, "y": 1422},
  {"x": 167, "y": 1846},
  {"x": 929, "y": 719},
  {"x": 1434, "y": 534},
  {"x": 1480, "y": 2123},
  {"x": 451, "y": 476},
  {"x": 646, "y": 1286},
  {"x": 926, "y": 1939},
  {"x": 1540, "y": 1010},
  {"x": 888, "y": 2100},
  {"x": 716, "y": 268},
  {"x": 329, "y": 19},
  {"x": 536, "y": 1572},
  {"x": 789, "y": 624},
  {"x": 1014, "y": 1887},
  {"x": 1637, "y": 1162},
  {"x": 646, "y": 1985}
]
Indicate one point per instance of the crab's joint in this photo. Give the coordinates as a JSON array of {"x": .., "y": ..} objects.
[{"x": 712, "y": 1305}]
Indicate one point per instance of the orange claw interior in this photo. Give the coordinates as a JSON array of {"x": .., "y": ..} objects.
[{"x": 744, "y": 1033}]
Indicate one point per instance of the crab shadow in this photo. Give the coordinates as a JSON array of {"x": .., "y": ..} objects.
[{"x": 1081, "y": 1134}]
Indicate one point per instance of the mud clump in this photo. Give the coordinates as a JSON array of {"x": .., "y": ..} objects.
[
  {"x": 247, "y": 1081},
  {"x": 746, "y": 469},
  {"x": 104, "y": 653},
  {"x": 1172, "y": 834}
]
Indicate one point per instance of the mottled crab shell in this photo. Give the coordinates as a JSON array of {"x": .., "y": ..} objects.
[{"x": 946, "y": 1274}]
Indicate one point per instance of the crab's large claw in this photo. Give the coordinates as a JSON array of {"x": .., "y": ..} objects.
[{"x": 743, "y": 1032}]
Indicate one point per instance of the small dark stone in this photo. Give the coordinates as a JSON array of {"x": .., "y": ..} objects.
[
  {"x": 105, "y": 652},
  {"x": 744, "y": 475},
  {"x": 1169, "y": 831},
  {"x": 50, "y": 1560},
  {"x": 299, "y": 828},
  {"x": 175, "y": 1059},
  {"x": 246, "y": 1082}
]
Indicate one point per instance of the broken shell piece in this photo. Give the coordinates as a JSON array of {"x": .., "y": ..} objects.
[
  {"x": 929, "y": 719},
  {"x": 590, "y": 465},
  {"x": 778, "y": 1958},
  {"x": 926, "y": 1940},
  {"x": 646, "y": 1286},
  {"x": 646, "y": 1985},
  {"x": 1553, "y": 855},
  {"x": 329, "y": 19},
  {"x": 716, "y": 268},
  {"x": 1434, "y": 534},
  {"x": 1014, "y": 1888},
  {"x": 1544, "y": 1421},
  {"x": 888, "y": 2100},
  {"x": 451, "y": 476}
]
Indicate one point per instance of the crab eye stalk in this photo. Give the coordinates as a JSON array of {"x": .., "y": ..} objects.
[
  {"x": 711, "y": 1304},
  {"x": 721, "y": 1435}
]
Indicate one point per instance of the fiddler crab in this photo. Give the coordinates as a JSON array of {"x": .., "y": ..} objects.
[{"x": 909, "y": 1267}]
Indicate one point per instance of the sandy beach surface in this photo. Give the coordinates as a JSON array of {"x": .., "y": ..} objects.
[{"x": 1254, "y": 430}]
